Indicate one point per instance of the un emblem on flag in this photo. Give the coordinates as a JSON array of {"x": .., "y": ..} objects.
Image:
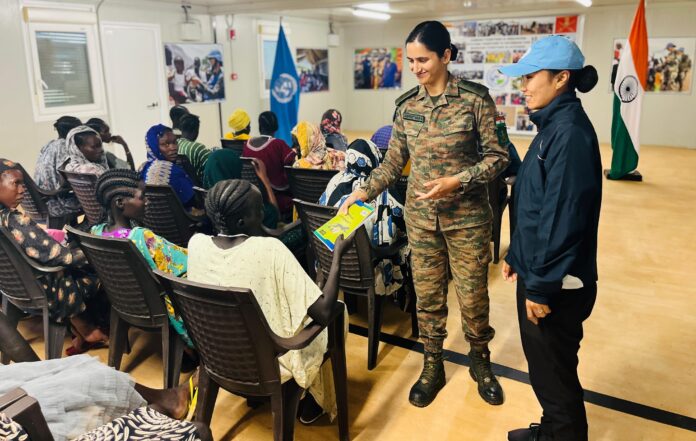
[
  {"x": 628, "y": 89},
  {"x": 284, "y": 88}
]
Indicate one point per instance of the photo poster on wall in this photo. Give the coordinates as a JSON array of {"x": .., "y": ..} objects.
[
  {"x": 670, "y": 63},
  {"x": 378, "y": 68},
  {"x": 194, "y": 73},
  {"x": 486, "y": 45},
  {"x": 313, "y": 69}
]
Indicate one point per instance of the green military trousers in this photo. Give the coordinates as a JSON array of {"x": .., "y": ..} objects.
[{"x": 467, "y": 251}]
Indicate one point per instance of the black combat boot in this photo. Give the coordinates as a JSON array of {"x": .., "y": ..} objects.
[
  {"x": 480, "y": 370},
  {"x": 431, "y": 380}
]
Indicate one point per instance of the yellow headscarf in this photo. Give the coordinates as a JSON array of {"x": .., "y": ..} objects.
[
  {"x": 238, "y": 121},
  {"x": 313, "y": 150}
]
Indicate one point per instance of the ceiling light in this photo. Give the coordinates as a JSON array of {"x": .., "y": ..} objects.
[
  {"x": 379, "y": 7},
  {"x": 371, "y": 14},
  {"x": 585, "y": 3},
  {"x": 467, "y": 3}
]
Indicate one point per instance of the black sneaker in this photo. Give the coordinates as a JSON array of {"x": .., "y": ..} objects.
[{"x": 530, "y": 434}]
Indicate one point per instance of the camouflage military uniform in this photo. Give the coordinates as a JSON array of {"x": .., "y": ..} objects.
[
  {"x": 443, "y": 140},
  {"x": 672, "y": 72}
]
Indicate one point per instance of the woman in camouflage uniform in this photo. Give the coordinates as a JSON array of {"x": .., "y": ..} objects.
[{"x": 446, "y": 127}]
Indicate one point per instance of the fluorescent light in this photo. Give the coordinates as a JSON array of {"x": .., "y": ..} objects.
[
  {"x": 371, "y": 14},
  {"x": 379, "y": 7},
  {"x": 585, "y": 3}
]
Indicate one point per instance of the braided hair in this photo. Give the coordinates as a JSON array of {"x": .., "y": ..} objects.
[
  {"x": 115, "y": 183},
  {"x": 225, "y": 202}
]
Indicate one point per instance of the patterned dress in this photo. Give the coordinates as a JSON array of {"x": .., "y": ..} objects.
[
  {"x": 160, "y": 254},
  {"x": 66, "y": 291}
]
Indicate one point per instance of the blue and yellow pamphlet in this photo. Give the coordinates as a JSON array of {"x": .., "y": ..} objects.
[{"x": 344, "y": 224}]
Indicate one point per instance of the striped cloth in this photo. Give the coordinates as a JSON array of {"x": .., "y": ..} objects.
[{"x": 196, "y": 153}]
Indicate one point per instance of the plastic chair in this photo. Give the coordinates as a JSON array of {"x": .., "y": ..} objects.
[
  {"x": 249, "y": 174},
  {"x": 22, "y": 291},
  {"x": 307, "y": 184},
  {"x": 167, "y": 217},
  {"x": 357, "y": 270},
  {"x": 85, "y": 187},
  {"x": 239, "y": 351},
  {"x": 35, "y": 203},
  {"x": 26, "y": 411},
  {"x": 232, "y": 145},
  {"x": 135, "y": 297}
]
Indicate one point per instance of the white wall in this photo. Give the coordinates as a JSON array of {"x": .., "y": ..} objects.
[{"x": 667, "y": 119}]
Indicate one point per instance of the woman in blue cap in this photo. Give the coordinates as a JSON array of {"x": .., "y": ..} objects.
[
  {"x": 215, "y": 86},
  {"x": 553, "y": 251}
]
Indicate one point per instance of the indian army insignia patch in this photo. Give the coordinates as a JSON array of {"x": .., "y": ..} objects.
[{"x": 501, "y": 129}]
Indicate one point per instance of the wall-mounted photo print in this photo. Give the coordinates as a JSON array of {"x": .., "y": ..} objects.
[
  {"x": 378, "y": 68},
  {"x": 194, "y": 73},
  {"x": 313, "y": 69}
]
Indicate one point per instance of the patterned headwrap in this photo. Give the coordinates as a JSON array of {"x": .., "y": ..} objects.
[
  {"x": 362, "y": 156},
  {"x": 78, "y": 161},
  {"x": 312, "y": 143},
  {"x": 152, "y": 141},
  {"x": 331, "y": 122},
  {"x": 159, "y": 171},
  {"x": 382, "y": 136}
]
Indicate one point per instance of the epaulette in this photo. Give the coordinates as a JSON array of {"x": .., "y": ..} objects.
[
  {"x": 475, "y": 88},
  {"x": 400, "y": 100},
  {"x": 407, "y": 95}
]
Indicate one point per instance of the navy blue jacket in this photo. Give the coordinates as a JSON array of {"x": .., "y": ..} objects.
[{"x": 557, "y": 197}]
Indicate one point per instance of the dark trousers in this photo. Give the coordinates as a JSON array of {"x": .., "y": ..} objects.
[{"x": 551, "y": 348}]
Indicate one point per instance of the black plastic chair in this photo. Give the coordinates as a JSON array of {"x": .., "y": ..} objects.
[
  {"x": 249, "y": 174},
  {"x": 239, "y": 351},
  {"x": 167, "y": 217},
  {"x": 35, "y": 203},
  {"x": 498, "y": 199},
  {"x": 135, "y": 297},
  {"x": 22, "y": 292},
  {"x": 308, "y": 184},
  {"x": 26, "y": 411},
  {"x": 357, "y": 270},
  {"x": 232, "y": 145},
  {"x": 85, "y": 187}
]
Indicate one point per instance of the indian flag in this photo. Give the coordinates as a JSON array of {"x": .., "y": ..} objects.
[{"x": 629, "y": 87}]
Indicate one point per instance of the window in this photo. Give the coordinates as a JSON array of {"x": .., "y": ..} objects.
[
  {"x": 65, "y": 70},
  {"x": 267, "y": 43}
]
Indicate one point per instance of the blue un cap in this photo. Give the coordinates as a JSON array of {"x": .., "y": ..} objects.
[{"x": 554, "y": 52}]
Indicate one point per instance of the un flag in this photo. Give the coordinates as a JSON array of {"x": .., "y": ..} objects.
[{"x": 285, "y": 91}]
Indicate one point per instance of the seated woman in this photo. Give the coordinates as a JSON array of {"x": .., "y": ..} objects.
[
  {"x": 46, "y": 175},
  {"x": 80, "y": 394},
  {"x": 240, "y": 123},
  {"x": 268, "y": 268},
  {"x": 68, "y": 292},
  {"x": 104, "y": 131},
  {"x": 331, "y": 130},
  {"x": 225, "y": 164},
  {"x": 165, "y": 166},
  {"x": 387, "y": 227},
  {"x": 313, "y": 150},
  {"x": 86, "y": 152},
  {"x": 120, "y": 192},
  {"x": 275, "y": 154}
]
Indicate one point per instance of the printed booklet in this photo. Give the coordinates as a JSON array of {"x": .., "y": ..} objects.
[{"x": 344, "y": 224}]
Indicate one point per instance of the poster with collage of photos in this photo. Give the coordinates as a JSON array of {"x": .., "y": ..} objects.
[{"x": 486, "y": 45}]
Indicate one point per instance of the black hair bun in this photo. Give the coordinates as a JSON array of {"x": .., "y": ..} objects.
[
  {"x": 455, "y": 50},
  {"x": 587, "y": 79}
]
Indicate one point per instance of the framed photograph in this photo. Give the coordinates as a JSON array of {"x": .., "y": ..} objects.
[
  {"x": 377, "y": 68},
  {"x": 194, "y": 73},
  {"x": 313, "y": 69},
  {"x": 670, "y": 63}
]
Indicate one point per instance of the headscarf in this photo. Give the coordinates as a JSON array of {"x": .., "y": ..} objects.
[
  {"x": 362, "y": 157},
  {"x": 314, "y": 153},
  {"x": 158, "y": 171},
  {"x": 78, "y": 162},
  {"x": 222, "y": 164},
  {"x": 331, "y": 122},
  {"x": 238, "y": 121}
]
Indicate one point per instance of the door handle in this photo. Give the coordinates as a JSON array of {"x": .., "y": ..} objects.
[{"x": 153, "y": 105}]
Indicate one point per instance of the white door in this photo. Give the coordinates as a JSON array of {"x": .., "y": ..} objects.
[{"x": 135, "y": 81}]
